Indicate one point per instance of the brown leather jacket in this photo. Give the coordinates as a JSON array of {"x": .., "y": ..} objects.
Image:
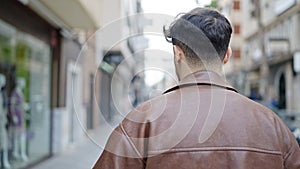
[{"x": 202, "y": 123}]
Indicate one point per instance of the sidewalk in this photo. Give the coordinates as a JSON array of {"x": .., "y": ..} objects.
[{"x": 83, "y": 155}]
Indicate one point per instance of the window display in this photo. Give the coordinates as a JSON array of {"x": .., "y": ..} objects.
[
  {"x": 17, "y": 110},
  {"x": 3, "y": 122},
  {"x": 25, "y": 98}
]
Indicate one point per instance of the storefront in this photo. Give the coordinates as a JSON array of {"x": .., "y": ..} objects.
[{"x": 25, "y": 80}]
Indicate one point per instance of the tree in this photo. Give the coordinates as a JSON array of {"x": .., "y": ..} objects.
[{"x": 213, "y": 4}]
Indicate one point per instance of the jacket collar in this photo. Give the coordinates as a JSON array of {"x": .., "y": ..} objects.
[{"x": 207, "y": 78}]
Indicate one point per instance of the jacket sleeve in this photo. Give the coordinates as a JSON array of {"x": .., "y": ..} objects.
[
  {"x": 292, "y": 157},
  {"x": 289, "y": 146},
  {"x": 120, "y": 152}
]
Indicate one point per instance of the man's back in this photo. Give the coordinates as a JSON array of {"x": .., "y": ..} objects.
[{"x": 201, "y": 124}]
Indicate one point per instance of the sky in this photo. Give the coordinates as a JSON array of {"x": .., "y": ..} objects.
[
  {"x": 168, "y": 7},
  {"x": 171, "y": 7}
]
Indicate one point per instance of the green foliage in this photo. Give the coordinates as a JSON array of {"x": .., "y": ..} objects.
[
  {"x": 5, "y": 51},
  {"x": 23, "y": 53},
  {"x": 213, "y": 4},
  {"x": 18, "y": 55}
]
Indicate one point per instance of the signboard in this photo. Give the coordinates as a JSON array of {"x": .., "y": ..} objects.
[
  {"x": 297, "y": 62},
  {"x": 283, "y": 5}
]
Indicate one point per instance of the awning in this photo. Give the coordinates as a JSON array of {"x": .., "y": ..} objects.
[{"x": 64, "y": 13}]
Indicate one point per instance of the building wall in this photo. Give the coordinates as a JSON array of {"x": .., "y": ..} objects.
[
  {"x": 111, "y": 30},
  {"x": 73, "y": 67},
  {"x": 28, "y": 48},
  {"x": 232, "y": 9},
  {"x": 296, "y": 88},
  {"x": 91, "y": 84},
  {"x": 118, "y": 39},
  {"x": 281, "y": 39},
  {"x": 249, "y": 23}
]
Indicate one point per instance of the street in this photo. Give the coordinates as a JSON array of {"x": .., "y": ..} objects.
[{"x": 82, "y": 155}]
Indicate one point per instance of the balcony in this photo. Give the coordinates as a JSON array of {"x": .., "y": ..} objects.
[{"x": 280, "y": 6}]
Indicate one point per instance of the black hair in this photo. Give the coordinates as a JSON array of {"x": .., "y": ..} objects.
[{"x": 203, "y": 35}]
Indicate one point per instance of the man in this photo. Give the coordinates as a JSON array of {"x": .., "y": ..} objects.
[{"x": 202, "y": 122}]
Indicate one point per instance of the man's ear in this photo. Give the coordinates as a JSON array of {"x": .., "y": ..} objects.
[
  {"x": 227, "y": 56},
  {"x": 178, "y": 53}
]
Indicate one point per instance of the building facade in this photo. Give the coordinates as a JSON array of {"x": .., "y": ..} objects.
[
  {"x": 232, "y": 9},
  {"x": 120, "y": 41},
  {"x": 29, "y": 45},
  {"x": 46, "y": 78},
  {"x": 271, "y": 32}
]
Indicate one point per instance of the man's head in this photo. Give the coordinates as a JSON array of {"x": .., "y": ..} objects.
[{"x": 200, "y": 41}]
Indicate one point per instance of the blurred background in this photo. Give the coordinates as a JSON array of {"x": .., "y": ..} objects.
[{"x": 72, "y": 68}]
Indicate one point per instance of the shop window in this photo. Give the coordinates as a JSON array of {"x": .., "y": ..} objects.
[
  {"x": 25, "y": 97},
  {"x": 236, "y": 5},
  {"x": 237, "y": 29}
]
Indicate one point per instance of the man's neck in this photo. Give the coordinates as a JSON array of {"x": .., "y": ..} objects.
[{"x": 193, "y": 70}]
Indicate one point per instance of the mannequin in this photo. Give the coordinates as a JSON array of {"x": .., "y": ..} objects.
[
  {"x": 18, "y": 110},
  {"x": 3, "y": 121}
]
